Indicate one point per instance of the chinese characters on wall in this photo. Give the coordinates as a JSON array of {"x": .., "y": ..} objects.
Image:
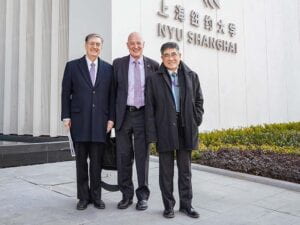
[{"x": 198, "y": 21}]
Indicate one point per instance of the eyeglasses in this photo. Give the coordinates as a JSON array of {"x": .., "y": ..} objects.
[
  {"x": 98, "y": 44},
  {"x": 173, "y": 54}
]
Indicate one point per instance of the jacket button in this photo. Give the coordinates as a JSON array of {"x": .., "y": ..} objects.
[
  {"x": 94, "y": 92},
  {"x": 174, "y": 124},
  {"x": 93, "y": 105}
]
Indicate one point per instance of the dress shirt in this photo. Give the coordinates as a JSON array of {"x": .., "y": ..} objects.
[
  {"x": 130, "y": 98},
  {"x": 89, "y": 62}
]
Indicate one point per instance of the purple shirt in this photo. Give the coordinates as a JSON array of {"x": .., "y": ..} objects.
[{"x": 130, "y": 98}]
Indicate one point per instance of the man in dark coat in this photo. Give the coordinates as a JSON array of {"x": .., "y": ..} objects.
[
  {"x": 174, "y": 109},
  {"x": 130, "y": 73},
  {"x": 88, "y": 110}
]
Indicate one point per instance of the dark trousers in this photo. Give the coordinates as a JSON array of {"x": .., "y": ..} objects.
[
  {"x": 131, "y": 144},
  {"x": 166, "y": 175},
  {"x": 88, "y": 180}
]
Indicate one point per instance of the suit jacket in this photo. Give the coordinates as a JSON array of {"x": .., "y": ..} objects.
[
  {"x": 120, "y": 67},
  {"x": 88, "y": 106},
  {"x": 161, "y": 119}
]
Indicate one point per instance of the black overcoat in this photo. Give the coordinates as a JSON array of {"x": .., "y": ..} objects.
[
  {"x": 89, "y": 107},
  {"x": 161, "y": 122}
]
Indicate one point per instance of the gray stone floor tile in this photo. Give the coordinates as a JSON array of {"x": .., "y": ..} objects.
[
  {"x": 226, "y": 221},
  {"x": 46, "y": 195},
  {"x": 221, "y": 205},
  {"x": 47, "y": 180},
  {"x": 285, "y": 200},
  {"x": 68, "y": 189},
  {"x": 292, "y": 208},
  {"x": 276, "y": 218}
]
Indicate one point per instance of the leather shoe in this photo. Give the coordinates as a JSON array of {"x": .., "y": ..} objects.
[
  {"x": 124, "y": 203},
  {"x": 82, "y": 204},
  {"x": 141, "y": 205},
  {"x": 99, "y": 204},
  {"x": 169, "y": 213},
  {"x": 191, "y": 212}
]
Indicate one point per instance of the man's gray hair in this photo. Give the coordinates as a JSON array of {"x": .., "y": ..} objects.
[{"x": 89, "y": 36}]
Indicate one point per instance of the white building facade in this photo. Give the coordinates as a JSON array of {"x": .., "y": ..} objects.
[{"x": 246, "y": 53}]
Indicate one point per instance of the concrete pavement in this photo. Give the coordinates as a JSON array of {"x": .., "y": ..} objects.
[{"x": 46, "y": 195}]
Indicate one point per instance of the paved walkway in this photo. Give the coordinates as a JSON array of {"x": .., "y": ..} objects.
[{"x": 45, "y": 195}]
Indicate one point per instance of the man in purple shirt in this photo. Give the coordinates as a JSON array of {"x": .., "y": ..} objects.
[{"x": 130, "y": 73}]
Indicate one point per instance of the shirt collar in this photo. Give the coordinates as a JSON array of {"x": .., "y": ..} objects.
[
  {"x": 89, "y": 61},
  {"x": 171, "y": 72},
  {"x": 140, "y": 60}
]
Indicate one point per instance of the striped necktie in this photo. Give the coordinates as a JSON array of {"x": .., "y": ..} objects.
[{"x": 137, "y": 85}]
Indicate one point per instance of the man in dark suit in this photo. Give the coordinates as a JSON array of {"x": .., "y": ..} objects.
[
  {"x": 88, "y": 110},
  {"x": 130, "y": 73},
  {"x": 174, "y": 109}
]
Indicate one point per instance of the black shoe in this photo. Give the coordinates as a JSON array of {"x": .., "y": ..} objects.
[
  {"x": 169, "y": 213},
  {"x": 124, "y": 203},
  {"x": 82, "y": 204},
  {"x": 191, "y": 212},
  {"x": 99, "y": 204},
  {"x": 141, "y": 205}
]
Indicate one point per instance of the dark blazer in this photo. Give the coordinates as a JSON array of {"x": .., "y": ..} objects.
[
  {"x": 161, "y": 121},
  {"x": 120, "y": 67},
  {"x": 88, "y": 106}
]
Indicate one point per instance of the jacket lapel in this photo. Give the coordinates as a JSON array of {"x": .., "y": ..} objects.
[
  {"x": 125, "y": 68},
  {"x": 168, "y": 82},
  {"x": 186, "y": 78},
  {"x": 183, "y": 81},
  {"x": 147, "y": 67},
  {"x": 100, "y": 72},
  {"x": 85, "y": 71},
  {"x": 163, "y": 71}
]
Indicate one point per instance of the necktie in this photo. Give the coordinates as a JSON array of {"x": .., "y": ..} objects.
[
  {"x": 137, "y": 85},
  {"x": 175, "y": 90},
  {"x": 93, "y": 73}
]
